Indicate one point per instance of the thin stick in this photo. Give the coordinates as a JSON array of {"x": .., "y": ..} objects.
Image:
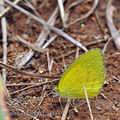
[
  {"x": 67, "y": 11},
  {"x": 105, "y": 35},
  {"x": 43, "y": 95},
  {"x": 66, "y": 109},
  {"x": 62, "y": 12},
  {"x": 99, "y": 23},
  {"x": 50, "y": 62},
  {"x": 88, "y": 103},
  {"x": 23, "y": 72},
  {"x": 39, "y": 84},
  {"x": 30, "y": 45},
  {"x": 21, "y": 84},
  {"x": 87, "y": 14},
  {"x": 8, "y": 8},
  {"x": 49, "y": 41},
  {"x": 113, "y": 31},
  {"x": 113, "y": 105},
  {"x": 106, "y": 45},
  {"x": 4, "y": 35},
  {"x": 22, "y": 111},
  {"x": 40, "y": 20},
  {"x": 73, "y": 4}
]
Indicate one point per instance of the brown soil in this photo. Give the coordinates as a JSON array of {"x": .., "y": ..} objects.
[{"x": 105, "y": 107}]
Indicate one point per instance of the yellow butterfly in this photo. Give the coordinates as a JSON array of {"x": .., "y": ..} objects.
[{"x": 86, "y": 71}]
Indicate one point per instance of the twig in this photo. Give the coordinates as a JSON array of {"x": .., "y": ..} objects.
[
  {"x": 77, "y": 106},
  {"x": 39, "y": 84},
  {"x": 88, "y": 103},
  {"x": 77, "y": 52},
  {"x": 8, "y": 8},
  {"x": 113, "y": 106},
  {"x": 67, "y": 11},
  {"x": 22, "y": 111},
  {"x": 43, "y": 95},
  {"x": 113, "y": 31},
  {"x": 50, "y": 62},
  {"x": 25, "y": 73},
  {"x": 87, "y": 14},
  {"x": 116, "y": 78},
  {"x": 62, "y": 12},
  {"x": 20, "y": 84},
  {"x": 4, "y": 35},
  {"x": 30, "y": 45},
  {"x": 28, "y": 4},
  {"x": 66, "y": 109},
  {"x": 49, "y": 41},
  {"x": 105, "y": 35},
  {"x": 40, "y": 41},
  {"x": 99, "y": 23},
  {"x": 73, "y": 4},
  {"x": 40, "y": 20},
  {"x": 106, "y": 45}
]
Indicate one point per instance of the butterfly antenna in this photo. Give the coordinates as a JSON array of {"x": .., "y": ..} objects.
[{"x": 88, "y": 103}]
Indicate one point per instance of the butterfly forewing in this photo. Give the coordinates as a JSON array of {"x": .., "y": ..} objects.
[{"x": 88, "y": 70}]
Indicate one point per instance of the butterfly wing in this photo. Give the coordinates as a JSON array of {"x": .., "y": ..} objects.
[{"x": 89, "y": 71}]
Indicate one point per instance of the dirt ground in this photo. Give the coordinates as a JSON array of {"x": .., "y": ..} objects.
[{"x": 41, "y": 101}]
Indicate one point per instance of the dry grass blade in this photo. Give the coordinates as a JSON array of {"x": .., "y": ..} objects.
[
  {"x": 87, "y": 14},
  {"x": 4, "y": 39},
  {"x": 8, "y": 8},
  {"x": 4, "y": 34},
  {"x": 113, "y": 31},
  {"x": 67, "y": 11},
  {"x": 30, "y": 45},
  {"x": 106, "y": 45},
  {"x": 88, "y": 103},
  {"x": 66, "y": 109},
  {"x": 22, "y": 111},
  {"x": 32, "y": 86},
  {"x": 62, "y": 12},
  {"x": 74, "y": 4},
  {"x": 25, "y": 73}
]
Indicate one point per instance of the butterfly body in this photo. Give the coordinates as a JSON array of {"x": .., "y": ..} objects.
[{"x": 86, "y": 71}]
